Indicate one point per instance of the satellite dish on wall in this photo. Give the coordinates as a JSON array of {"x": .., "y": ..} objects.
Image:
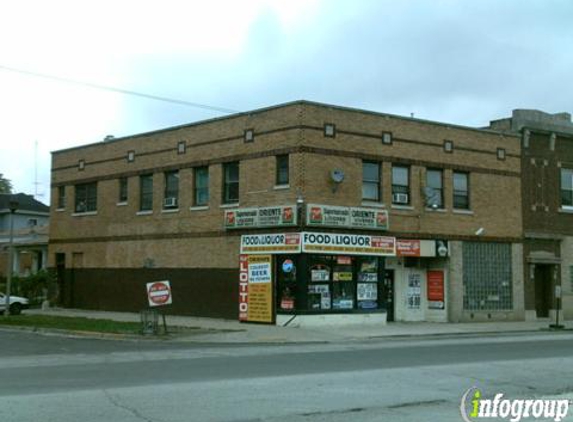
[{"x": 337, "y": 175}]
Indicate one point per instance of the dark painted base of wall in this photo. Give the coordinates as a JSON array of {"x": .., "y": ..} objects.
[{"x": 208, "y": 292}]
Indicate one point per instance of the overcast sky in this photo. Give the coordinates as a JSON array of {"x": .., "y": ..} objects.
[{"x": 464, "y": 62}]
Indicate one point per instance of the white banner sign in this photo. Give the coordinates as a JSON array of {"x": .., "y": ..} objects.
[
  {"x": 270, "y": 243},
  {"x": 279, "y": 216},
  {"x": 350, "y": 244},
  {"x": 347, "y": 217}
]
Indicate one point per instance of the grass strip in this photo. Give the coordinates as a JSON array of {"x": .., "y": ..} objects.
[{"x": 72, "y": 323}]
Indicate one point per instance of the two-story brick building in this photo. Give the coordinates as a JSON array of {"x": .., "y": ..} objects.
[
  {"x": 547, "y": 192},
  {"x": 341, "y": 213}
]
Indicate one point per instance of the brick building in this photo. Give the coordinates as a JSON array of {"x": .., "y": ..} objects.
[
  {"x": 357, "y": 215},
  {"x": 547, "y": 191}
]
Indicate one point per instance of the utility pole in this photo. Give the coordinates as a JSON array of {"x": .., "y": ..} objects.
[{"x": 13, "y": 205}]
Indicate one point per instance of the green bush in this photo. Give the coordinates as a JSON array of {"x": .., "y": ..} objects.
[{"x": 36, "y": 287}]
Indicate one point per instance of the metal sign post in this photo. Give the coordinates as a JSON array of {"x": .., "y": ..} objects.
[
  {"x": 557, "y": 326},
  {"x": 158, "y": 294}
]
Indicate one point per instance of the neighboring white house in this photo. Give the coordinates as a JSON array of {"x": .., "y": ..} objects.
[{"x": 30, "y": 234}]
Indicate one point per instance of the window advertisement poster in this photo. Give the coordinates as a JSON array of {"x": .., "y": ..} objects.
[
  {"x": 280, "y": 216},
  {"x": 347, "y": 217},
  {"x": 414, "y": 291},
  {"x": 368, "y": 277},
  {"x": 255, "y": 288},
  {"x": 368, "y": 270},
  {"x": 436, "y": 297},
  {"x": 319, "y": 296},
  {"x": 287, "y": 303},
  {"x": 348, "y": 244},
  {"x": 367, "y": 295},
  {"x": 278, "y": 243},
  {"x": 342, "y": 276},
  {"x": 340, "y": 301},
  {"x": 319, "y": 273}
]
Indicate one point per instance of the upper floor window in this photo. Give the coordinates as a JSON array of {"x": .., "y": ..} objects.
[
  {"x": 231, "y": 182},
  {"x": 370, "y": 181},
  {"x": 171, "y": 193},
  {"x": 400, "y": 185},
  {"x": 86, "y": 197},
  {"x": 201, "y": 186},
  {"x": 122, "y": 197},
  {"x": 435, "y": 193},
  {"x": 282, "y": 173},
  {"x": 146, "y": 192},
  {"x": 461, "y": 191},
  {"x": 566, "y": 187},
  {"x": 61, "y": 197}
]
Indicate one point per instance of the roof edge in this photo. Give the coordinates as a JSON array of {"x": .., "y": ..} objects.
[
  {"x": 182, "y": 126},
  {"x": 283, "y": 105}
]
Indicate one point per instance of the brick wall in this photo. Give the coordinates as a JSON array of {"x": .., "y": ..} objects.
[
  {"x": 298, "y": 130},
  {"x": 541, "y": 184}
]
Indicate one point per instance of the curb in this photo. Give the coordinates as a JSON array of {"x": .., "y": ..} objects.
[
  {"x": 79, "y": 334},
  {"x": 472, "y": 334},
  {"x": 186, "y": 338},
  {"x": 97, "y": 335},
  {"x": 389, "y": 337}
]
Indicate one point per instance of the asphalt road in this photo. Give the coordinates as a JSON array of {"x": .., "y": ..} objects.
[{"x": 62, "y": 379}]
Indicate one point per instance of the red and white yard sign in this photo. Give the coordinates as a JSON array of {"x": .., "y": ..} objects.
[{"x": 159, "y": 293}]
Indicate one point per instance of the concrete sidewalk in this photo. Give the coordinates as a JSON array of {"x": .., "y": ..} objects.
[{"x": 228, "y": 331}]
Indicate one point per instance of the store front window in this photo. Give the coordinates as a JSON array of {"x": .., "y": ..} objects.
[
  {"x": 319, "y": 286},
  {"x": 344, "y": 284},
  {"x": 312, "y": 273},
  {"x": 287, "y": 282},
  {"x": 367, "y": 283},
  {"x": 328, "y": 283}
]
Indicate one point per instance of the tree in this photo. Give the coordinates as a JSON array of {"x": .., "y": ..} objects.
[{"x": 5, "y": 184}]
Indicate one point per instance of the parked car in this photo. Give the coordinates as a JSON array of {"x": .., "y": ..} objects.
[{"x": 17, "y": 303}]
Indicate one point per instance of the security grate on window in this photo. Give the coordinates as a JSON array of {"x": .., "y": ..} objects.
[{"x": 487, "y": 276}]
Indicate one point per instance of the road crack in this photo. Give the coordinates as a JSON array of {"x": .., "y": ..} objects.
[
  {"x": 417, "y": 404},
  {"x": 333, "y": 412},
  {"x": 129, "y": 409}
]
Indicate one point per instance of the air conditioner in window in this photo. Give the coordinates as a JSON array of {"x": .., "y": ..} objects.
[
  {"x": 170, "y": 202},
  {"x": 400, "y": 198}
]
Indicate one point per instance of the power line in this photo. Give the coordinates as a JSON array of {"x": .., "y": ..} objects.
[{"x": 119, "y": 90}]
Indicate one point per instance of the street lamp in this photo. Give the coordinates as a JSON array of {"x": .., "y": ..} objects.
[{"x": 13, "y": 205}]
